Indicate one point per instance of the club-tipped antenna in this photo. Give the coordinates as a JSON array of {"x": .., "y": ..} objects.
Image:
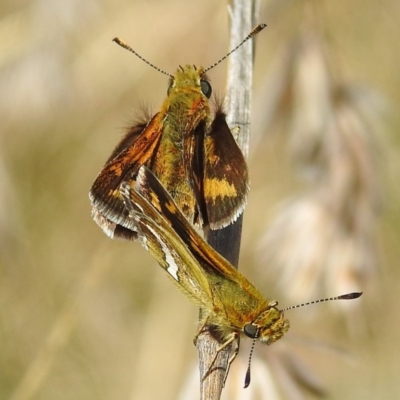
[
  {"x": 254, "y": 32},
  {"x": 247, "y": 379},
  {"x": 348, "y": 296},
  {"x": 127, "y": 47}
]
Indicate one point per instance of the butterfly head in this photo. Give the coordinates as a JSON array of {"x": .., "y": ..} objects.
[
  {"x": 269, "y": 327},
  {"x": 190, "y": 77}
]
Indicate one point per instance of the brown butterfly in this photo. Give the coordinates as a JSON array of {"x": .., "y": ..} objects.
[{"x": 189, "y": 149}]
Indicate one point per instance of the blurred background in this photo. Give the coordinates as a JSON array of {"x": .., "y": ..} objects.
[{"x": 85, "y": 317}]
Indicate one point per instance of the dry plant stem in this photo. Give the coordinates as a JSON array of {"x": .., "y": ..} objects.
[{"x": 227, "y": 241}]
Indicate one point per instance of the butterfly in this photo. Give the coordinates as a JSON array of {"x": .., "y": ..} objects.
[
  {"x": 189, "y": 148},
  {"x": 230, "y": 303}
]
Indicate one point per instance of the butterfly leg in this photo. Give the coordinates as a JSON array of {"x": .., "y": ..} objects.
[
  {"x": 201, "y": 328},
  {"x": 234, "y": 336},
  {"x": 233, "y": 356}
]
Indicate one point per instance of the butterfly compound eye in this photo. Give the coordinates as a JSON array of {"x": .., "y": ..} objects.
[
  {"x": 206, "y": 88},
  {"x": 251, "y": 331}
]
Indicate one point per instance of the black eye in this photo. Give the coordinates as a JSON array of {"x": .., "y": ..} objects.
[
  {"x": 206, "y": 88},
  {"x": 251, "y": 331}
]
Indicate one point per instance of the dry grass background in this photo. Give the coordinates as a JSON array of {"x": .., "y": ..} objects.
[{"x": 84, "y": 317}]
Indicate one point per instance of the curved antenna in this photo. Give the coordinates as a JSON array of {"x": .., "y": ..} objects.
[
  {"x": 349, "y": 296},
  {"x": 254, "y": 32},
  {"x": 127, "y": 47},
  {"x": 248, "y": 375}
]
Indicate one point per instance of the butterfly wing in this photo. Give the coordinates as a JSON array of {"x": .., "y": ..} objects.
[
  {"x": 226, "y": 179},
  {"x": 136, "y": 149},
  {"x": 169, "y": 250}
]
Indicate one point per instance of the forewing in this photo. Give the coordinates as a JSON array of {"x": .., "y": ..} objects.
[
  {"x": 226, "y": 181},
  {"x": 169, "y": 250},
  {"x": 135, "y": 150},
  {"x": 129, "y": 139}
]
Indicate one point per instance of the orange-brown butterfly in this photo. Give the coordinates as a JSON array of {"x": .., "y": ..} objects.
[{"x": 189, "y": 149}]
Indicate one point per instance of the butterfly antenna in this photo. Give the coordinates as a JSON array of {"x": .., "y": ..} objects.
[
  {"x": 349, "y": 296},
  {"x": 254, "y": 32},
  {"x": 247, "y": 379},
  {"x": 127, "y": 47}
]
